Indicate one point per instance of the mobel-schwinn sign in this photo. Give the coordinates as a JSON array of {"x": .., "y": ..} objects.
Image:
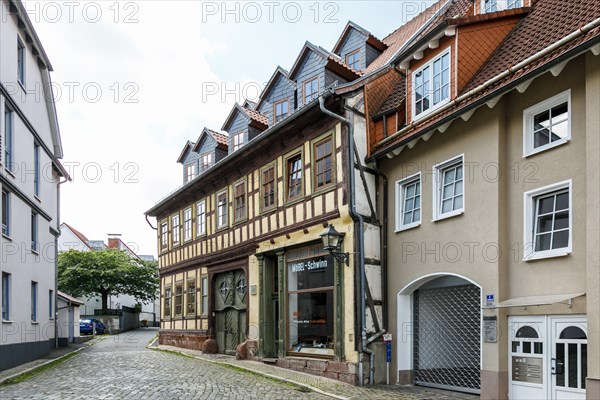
[{"x": 310, "y": 265}]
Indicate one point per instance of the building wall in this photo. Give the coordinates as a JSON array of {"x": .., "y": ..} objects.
[
  {"x": 485, "y": 244},
  {"x": 22, "y": 339}
]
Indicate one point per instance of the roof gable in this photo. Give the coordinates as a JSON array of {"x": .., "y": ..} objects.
[
  {"x": 185, "y": 151},
  {"x": 370, "y": 38},
  {"x": 218, "y": 139},
  {"x": 279, "y": 75}
]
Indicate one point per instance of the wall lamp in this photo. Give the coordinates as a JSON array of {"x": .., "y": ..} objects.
[{"x": 332, "y": 241}]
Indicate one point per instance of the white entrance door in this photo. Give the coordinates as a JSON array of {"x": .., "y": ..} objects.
[
  {"x": 548, "y": 357},
  {"x": 568, "y": 357},
  {"x": 528, "y": 358}
]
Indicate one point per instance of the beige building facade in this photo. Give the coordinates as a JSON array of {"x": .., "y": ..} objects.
[{"x": 493, "y": 281}]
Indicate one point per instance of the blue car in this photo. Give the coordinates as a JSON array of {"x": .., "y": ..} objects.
[{"x": 86, "y": 326}]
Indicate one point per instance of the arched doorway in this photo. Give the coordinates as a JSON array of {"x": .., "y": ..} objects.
[
  {"x": 230, "y": 299},
  {"x": 439, "y": 328}
]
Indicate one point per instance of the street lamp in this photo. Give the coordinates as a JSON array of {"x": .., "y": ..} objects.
[{"x": 332, "y": 241}]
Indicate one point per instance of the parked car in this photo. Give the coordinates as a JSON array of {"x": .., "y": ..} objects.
[{"x": 86, "y": 326}]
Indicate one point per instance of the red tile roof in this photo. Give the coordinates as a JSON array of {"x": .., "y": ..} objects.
[
  {"x": 397, "y": 39},
  {"x": 79, "y": 235},
  {"x": 395, "y": 100},
  {"x": 256, "y": 116},
  {"x": 69, "y": 298},
  {"x": 549, "y": 22},
  {"x": 221, "y": 138}
]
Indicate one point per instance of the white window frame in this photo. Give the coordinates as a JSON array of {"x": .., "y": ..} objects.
[
  {"x": 175, "y": 230},
  {"x": 237, "y": 141},
  {"x": 201, "y": 218},
  {"x": 6, "y": 208},
  {"x": 206, "y": 161},
  {"x": 164, "y": 235},
  {"x": 437, "y": 187},
  {"x": 6, "y": 296},
  {"x": 8, "y": 142},
  {"x": 501, "y": 5},
  {"x": 34, "y": 232},
  {"x": 225, "y": 221},
  {"x": 187, "y": 224},
  {"x": 190, "y": 172},
  {"x": 34, "y": 301},
  {"x": 21, "y": 63},
  {"x": 542, "y": 106},
  {"x": 400, "y": 189},
  {"x": 36, "y": 166},
  {"x": 432, "y": 89},
  {"x": 529, "y": 221},
  {"x": 50, "y": 303}
]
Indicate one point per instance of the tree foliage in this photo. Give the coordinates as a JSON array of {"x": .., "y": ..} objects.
[{"x": 106, "y": 272}]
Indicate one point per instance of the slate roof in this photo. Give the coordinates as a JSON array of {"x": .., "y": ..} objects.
[{"x": 548, "y": 22}]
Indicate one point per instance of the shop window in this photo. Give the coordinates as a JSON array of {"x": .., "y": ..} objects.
[{"x": 311, "y": 302}]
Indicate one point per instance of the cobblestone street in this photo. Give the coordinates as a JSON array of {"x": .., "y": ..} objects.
[{"x": 120, "y": 367}]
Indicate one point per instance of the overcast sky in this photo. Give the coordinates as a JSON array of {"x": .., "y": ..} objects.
[{"x": 135, "y": 80}]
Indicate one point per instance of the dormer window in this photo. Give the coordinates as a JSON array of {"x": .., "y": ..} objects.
[
  {"x": 190, "y": 172},
  {"x": 499, "y": 5},
  {"x": 205, "y": 161},
  {"x": 238, "y": 141},
  {"x": 353, "y": 59},
  {"x": 282, "y": 109},
  {"x": 431, "y": 85},
  {"x": 311, "y": 89}
]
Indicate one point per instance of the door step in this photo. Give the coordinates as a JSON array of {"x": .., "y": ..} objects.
[{"x": 269, "y": 360}]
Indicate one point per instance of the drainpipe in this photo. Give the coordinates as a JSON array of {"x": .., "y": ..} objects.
[
  {"x": 56, "y": 261},
  {"x": 357, "y": 218}
]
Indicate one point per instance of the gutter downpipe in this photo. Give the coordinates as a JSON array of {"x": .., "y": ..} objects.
[
  {"x": 515, "y": 68},
  {"x": 356, "y": 217},
  {"x": 56, "y": 261}
]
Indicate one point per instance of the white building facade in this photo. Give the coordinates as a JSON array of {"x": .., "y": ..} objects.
[{"x": 30, "y": 175}]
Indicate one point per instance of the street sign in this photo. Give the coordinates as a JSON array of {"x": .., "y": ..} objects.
[{"x": 388, "y": 351}]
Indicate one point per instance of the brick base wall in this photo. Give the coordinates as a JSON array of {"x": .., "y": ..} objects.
[
  {"x": 192, "y": 340},
  {"x": 342, "y": 371}
]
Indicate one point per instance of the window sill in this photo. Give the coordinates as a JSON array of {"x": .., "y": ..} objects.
[
  {"x": 9, "y": 172},
  {"x": 267, "y": 211},
  {"x": 448, "y": 215},
  {"x": 35, "y": 323},
  {"x": 324, "y": 189},
  {"x": 240, "y": 222},
  {"x": 35, "y": 252},
  {"x": 425, "y": 113},
  {"x": 407, "y": 227},
  {"x": 222, "y": 228},
  {"x": 200, "y": 236},
  {"x": 532, "y": 152},
  {"x": 35, "y": 196},
  {"x": 293, "y": 201},
  {"x": 7, "y": 237},
  {"x": 7, "y": 321},
  {"x": 541, "y": 255},
  {"x": 22, "y": 86}
]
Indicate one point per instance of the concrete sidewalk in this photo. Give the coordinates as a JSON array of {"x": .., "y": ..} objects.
[
  {"x": 325, "y": 386},
  {"x": 54, "y": 354}
]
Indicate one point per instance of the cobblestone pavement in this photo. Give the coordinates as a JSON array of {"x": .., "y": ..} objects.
[
  {"x": 120, "y": 367},
  {"x": 339, "y": 389}
]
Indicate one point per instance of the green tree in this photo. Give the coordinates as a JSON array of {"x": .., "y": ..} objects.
[{"x": 106, "y": 272}]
